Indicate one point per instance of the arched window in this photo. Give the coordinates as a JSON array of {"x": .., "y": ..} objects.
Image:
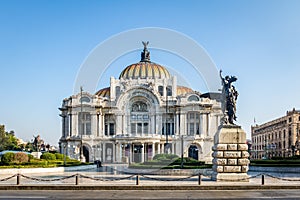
[
  {"x": 85, "y": 100},
  {"x": 161, "y": 90},
  {"x": 193, "y": 98}
]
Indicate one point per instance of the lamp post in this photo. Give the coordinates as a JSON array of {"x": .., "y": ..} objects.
[
  {"x": 82, "y": 127},
  {"x": 166, "y": 124}
]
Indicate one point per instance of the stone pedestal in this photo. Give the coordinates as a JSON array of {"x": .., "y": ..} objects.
[{"x": 230, "y": 156}]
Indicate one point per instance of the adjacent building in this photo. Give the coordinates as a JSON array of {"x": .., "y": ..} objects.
[
  {"x": 277, "y": 138},
  {"x": 142, "y": 113}
]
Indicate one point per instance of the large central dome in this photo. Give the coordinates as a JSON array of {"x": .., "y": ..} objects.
[{"x": 145, "y": 68}]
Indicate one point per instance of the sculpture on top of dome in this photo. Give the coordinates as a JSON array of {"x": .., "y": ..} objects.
[{"x": 145, "y": 55}]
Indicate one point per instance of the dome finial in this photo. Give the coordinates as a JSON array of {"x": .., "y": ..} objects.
[{"x": 145, "y": 55}]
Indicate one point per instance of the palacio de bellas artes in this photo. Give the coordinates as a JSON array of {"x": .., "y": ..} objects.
[{"x": 145, "y": 112}]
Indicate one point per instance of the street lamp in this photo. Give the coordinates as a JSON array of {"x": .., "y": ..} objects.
[{"x": 82, "y": 129}]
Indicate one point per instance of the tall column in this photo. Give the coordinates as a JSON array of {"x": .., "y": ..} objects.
[
  {"x": 118, "y": 124},
  {"x": 94, "y": 124},
  {"x": 70, "y": 125},
  {"x": 152, "y": 124},
  {"x": 207, "y": 124},
  {"x": 114, "y": 152},
  {"x": 103, "y": 125},
  {"x": 100, "y": 125},
  {"x": 203, "y": 125},
  {"x": 158, "y": 148},
  {"x": 153, "y": 150},
  {"x": 177, "y": 124},
  {"x": 163, "y": 148},
  {"x": 123, "y": 124},
  {"x": 103, "y": 152},
  {"x": 74, "y": 124},
  {"x": 159, "y": 124},
  {"x": 183, "y": 124},
  {"x": 132, "y": 153},
  {"x": 143, "y": 153}
]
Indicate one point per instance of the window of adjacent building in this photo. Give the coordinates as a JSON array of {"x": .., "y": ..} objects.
[
  {"x": 290, "y": 119},
  {"x": 161, "y": 90},
  {"x": 169, "y": 90},
  {"x": 193, "y": 123},
  {"x": 109, "y": 125},
  {"x": 193, "y": 98},
  {"x": 84, "y": 123}
]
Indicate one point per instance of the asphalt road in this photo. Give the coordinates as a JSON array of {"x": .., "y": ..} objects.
[{"x": 150, "y": 194}]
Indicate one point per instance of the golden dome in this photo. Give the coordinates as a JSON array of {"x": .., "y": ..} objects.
[
  {"x": 183, "y": 90},
  {"x": 145, "y": 68},
  {"x": 105, "y": 92}
]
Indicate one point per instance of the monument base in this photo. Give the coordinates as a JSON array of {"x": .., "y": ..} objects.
[
  {"x": 230, "y": 154},
  {"x": 236, "y": 177}
]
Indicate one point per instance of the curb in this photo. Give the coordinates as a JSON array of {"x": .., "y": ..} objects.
[{"x": 148, "y": 187}]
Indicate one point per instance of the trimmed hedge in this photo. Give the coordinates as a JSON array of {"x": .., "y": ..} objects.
[
  {"x": 48, "y": 156},
  {"x": 166, "y": 157},
  {"x": 21, "y": 157},
  {"x": 7, "y": 158}
]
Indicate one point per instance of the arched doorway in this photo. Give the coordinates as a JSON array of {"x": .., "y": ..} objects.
[
  {"x": 193, "y": 152},
  {"x": 86, "y": 154}
]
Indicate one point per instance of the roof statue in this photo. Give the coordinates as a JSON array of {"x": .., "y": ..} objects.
[
  {"x": 230, "y": 95},
  {"x": 145, "y": 55}
]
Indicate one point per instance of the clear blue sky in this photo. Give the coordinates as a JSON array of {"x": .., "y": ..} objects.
[{"x": 43, "y": 44}]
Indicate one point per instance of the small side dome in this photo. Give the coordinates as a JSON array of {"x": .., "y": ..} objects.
[
  {"x": 181, "y": 90},
  {"x": 105, "y": 92}
]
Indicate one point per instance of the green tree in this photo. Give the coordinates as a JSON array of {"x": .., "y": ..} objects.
[{"x": 8, "y": 140}]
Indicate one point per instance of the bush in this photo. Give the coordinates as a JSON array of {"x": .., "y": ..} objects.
[
  {"x": 30, "y": 157},
  {"x": 21, "y": 157},
  {"x": 7, "y": 158},
  {"x": 48, "y": 156},
  {"x": 59, "y": 156},
  {"x": 165, "y": 157}
]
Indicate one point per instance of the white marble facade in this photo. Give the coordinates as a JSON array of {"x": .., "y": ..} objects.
[{"x": 134, "y": 118}]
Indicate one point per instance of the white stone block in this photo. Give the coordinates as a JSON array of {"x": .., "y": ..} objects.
[
  {"x": 232, "y": 154},
  {"x": 242, "y": 147},
  {"x": 219, "y": 161},
  {"x": 244, "y": 168},
  {"x": 232, "y": 147},
  {"x": 218, "y": 169},
  {"x": 243, "y": 161},
  {"x": 221, "y": 147},
  {"x": 218, "y": 154},
  {"x": 233, "y": 169},
  {"x": 245, "y": 154},
  {"x": 231, "y": 161}
]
